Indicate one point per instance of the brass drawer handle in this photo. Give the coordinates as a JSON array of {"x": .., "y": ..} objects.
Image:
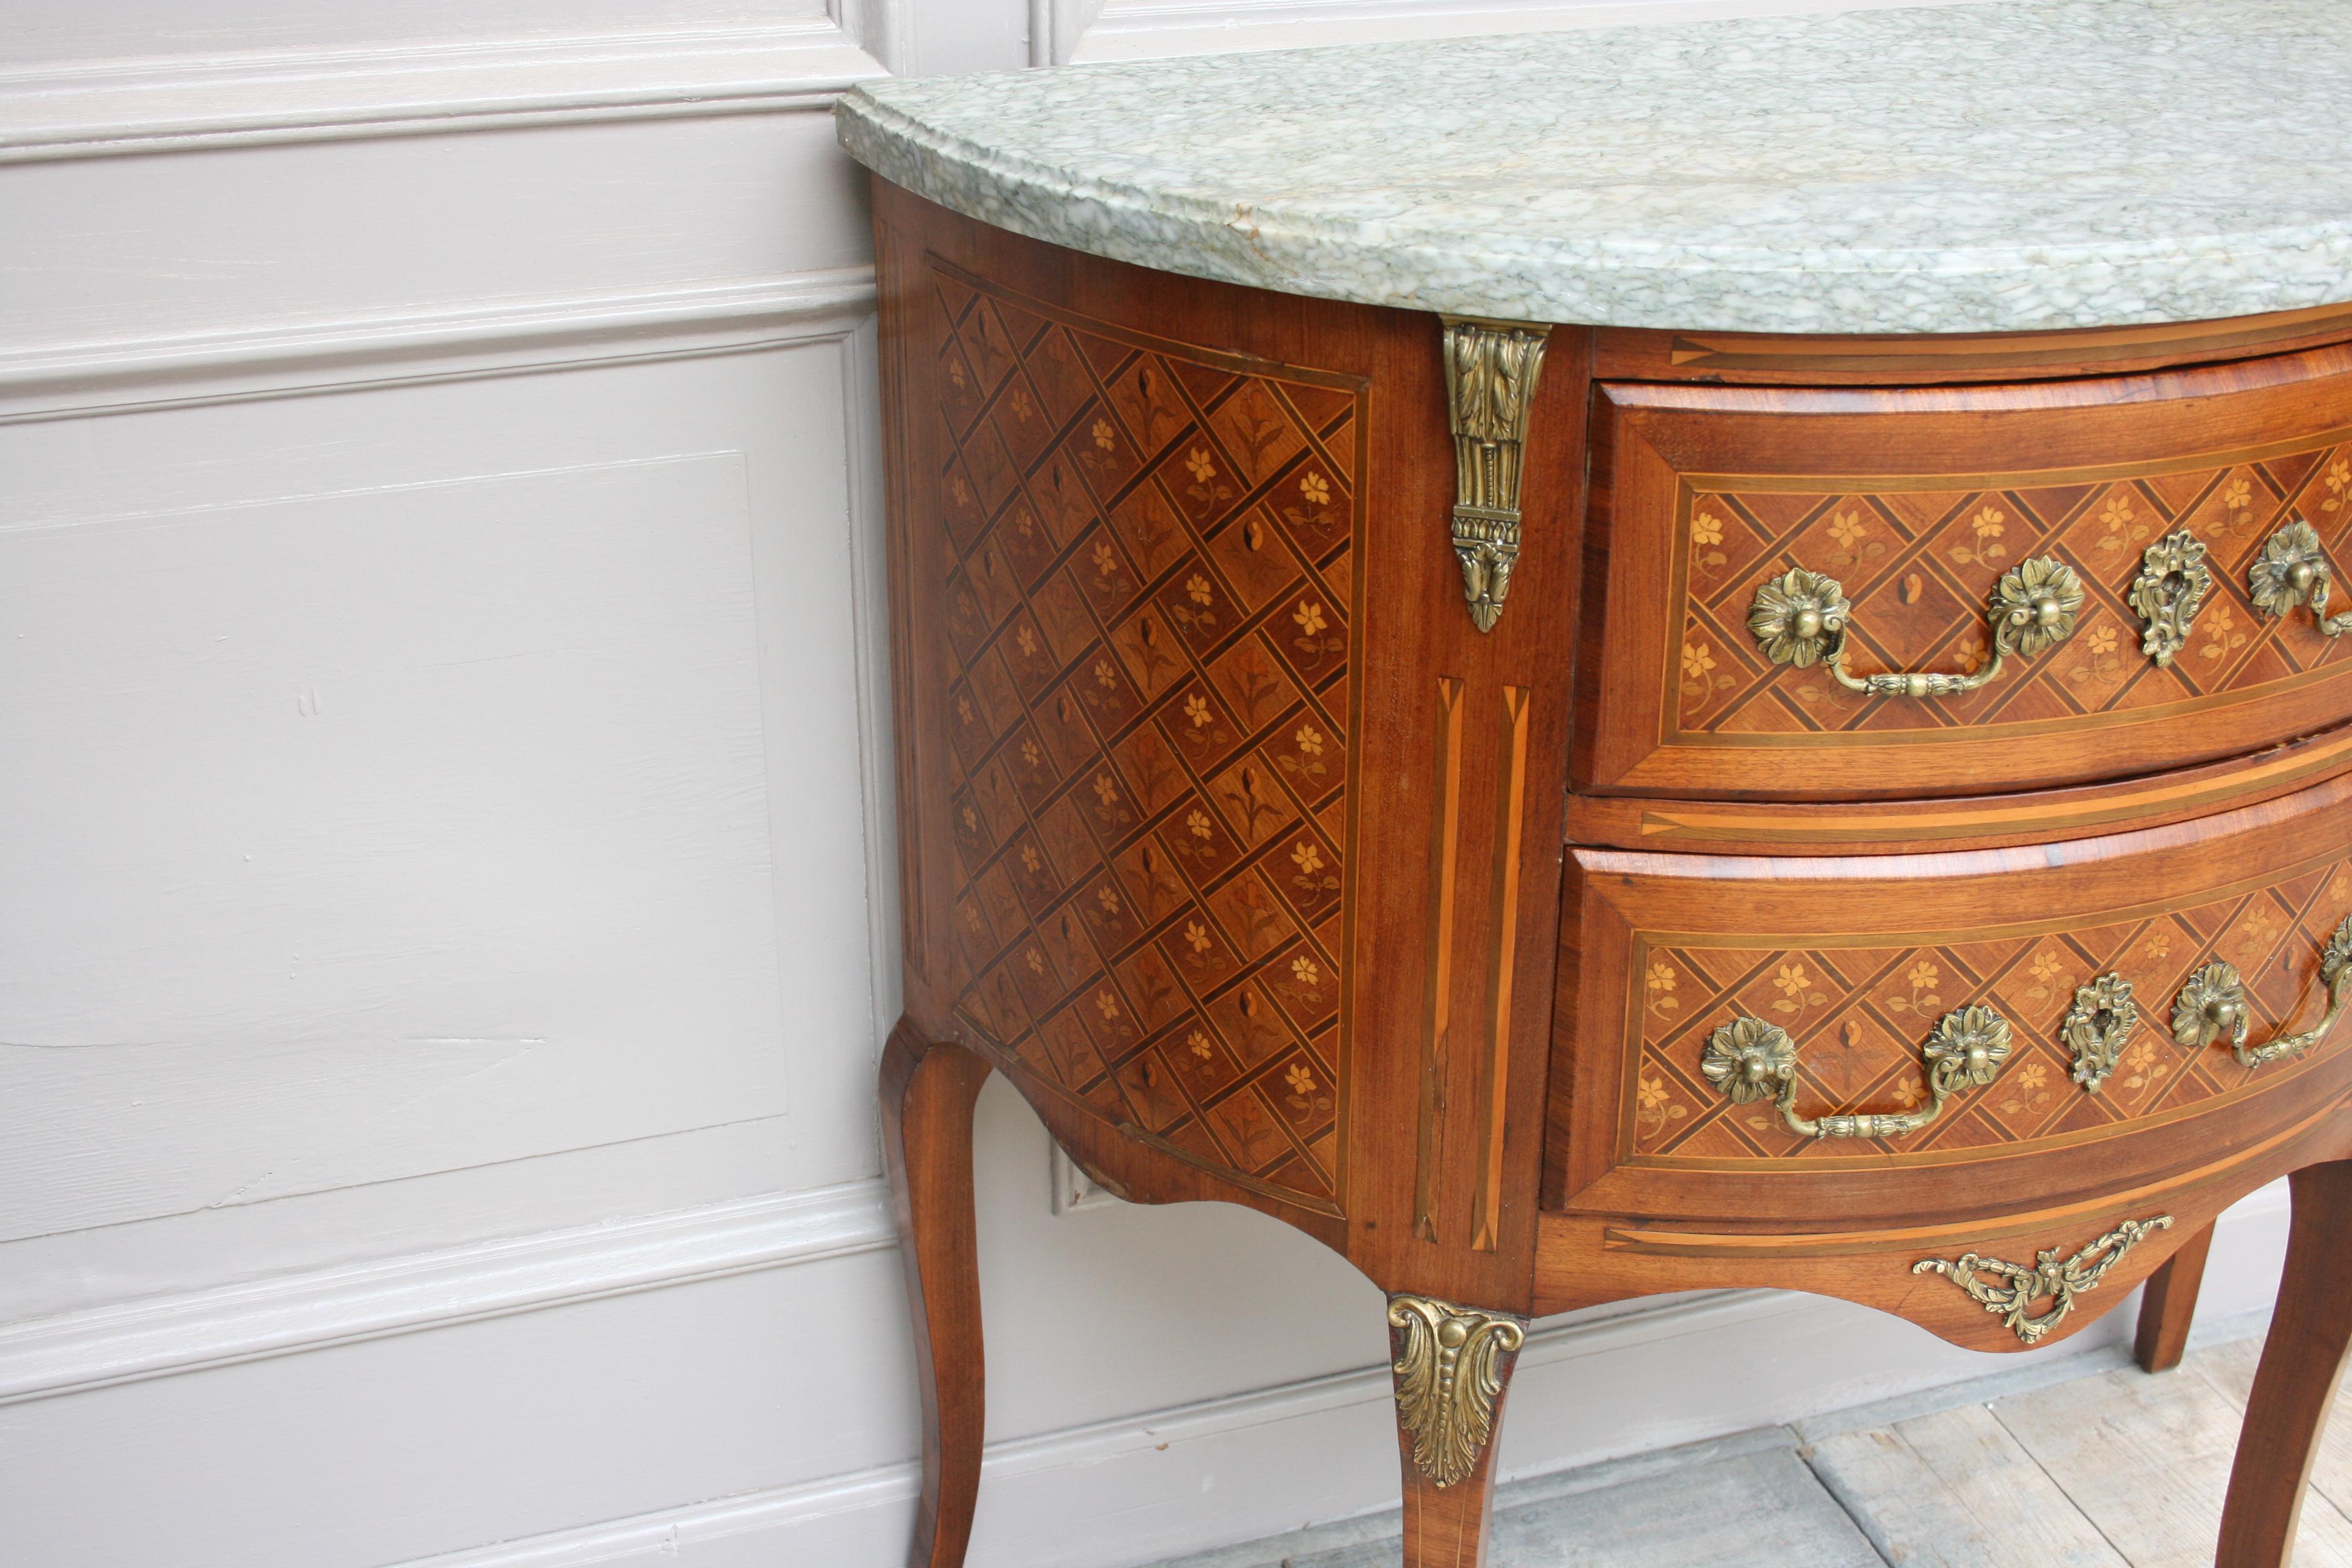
[
  {"x": 1800, "y": 618},
  {"x": 2213, "y": 1003},
  {"x": 1750, "y": 1059},
  {"x": 2292, "y": 569}
]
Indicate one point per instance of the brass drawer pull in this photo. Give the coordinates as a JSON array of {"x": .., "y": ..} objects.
[
  {"x": 2213, "y": 1003},
  {"x": 2011, "y": 1288},
  {"x": 2291, "y": 569},
  {"x": 1800, "y": 618},
  {"x": 1750, "y": 1059}
]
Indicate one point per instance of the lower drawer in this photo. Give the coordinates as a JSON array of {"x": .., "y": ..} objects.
[{"x": 1830, "y": 1042}]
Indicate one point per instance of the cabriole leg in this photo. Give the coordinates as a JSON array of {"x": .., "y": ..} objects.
[
  {"x": 927, "y": 1093},
  {"x": 1452, "y": 1366},
  {"x": 2169, "y": 1304},
  {"x": 2296, "y": 1383}
]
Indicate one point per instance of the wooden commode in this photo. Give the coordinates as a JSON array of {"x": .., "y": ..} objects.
[{"x": 1568, "y": 768}]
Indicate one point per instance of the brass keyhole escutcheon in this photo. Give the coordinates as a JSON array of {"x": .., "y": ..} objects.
[
  {"x": 2097, "y": 1026},
  {"x": 2171, "y": 587}
]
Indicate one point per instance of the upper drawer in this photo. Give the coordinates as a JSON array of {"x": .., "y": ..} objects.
[{"x": 1760, "y": 542}]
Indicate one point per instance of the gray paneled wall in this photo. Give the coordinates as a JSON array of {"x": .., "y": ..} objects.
[{"x": 446, "y": 843}]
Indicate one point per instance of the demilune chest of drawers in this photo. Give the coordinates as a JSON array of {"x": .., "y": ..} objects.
[{"x": 1581, "y": 676}]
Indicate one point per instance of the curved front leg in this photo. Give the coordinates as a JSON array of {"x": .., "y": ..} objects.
[
  {"x": 2295, "y": 1386},
  {"x": 927, "y": 1093},
  {"x": 1452, "y": 1365}
]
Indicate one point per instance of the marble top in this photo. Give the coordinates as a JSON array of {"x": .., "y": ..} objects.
[{"x": 1948, "y": 168}]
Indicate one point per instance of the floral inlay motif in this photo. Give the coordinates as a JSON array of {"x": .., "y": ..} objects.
[{"x": 1985, "y": 529}]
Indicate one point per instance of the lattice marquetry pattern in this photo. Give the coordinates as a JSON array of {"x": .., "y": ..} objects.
[
  {"x": 1858, "y": 1014},
  {"x": 1148, "y": 619},
  {"x": 1918, "y": 565}
]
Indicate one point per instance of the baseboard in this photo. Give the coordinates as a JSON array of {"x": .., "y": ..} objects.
[
  {"x": 179, "y": 105},
  {"x": 1152, "y": 1487},
  {"x": 78, "y": 379},
  {"x": 1135, "y": 1489},
  {"x": 2034, "y": 1373},
  {"x": 52, "y": 1356},
  {"x": 1060, "y": 1485}
]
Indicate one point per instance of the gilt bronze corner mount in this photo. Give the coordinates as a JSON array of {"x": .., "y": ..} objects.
[
  {"x": 1490, "y": 388},
  {"x": 1449, "y": 1378}
]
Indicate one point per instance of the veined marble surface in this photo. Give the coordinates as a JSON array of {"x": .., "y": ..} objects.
[{"x": 1955, "y": 168}]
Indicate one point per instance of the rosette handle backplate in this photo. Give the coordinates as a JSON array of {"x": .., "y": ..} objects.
[{"x": 2292, "y": 569}]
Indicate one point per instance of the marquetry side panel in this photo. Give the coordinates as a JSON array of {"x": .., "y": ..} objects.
[
  {"x": 1150, "y": 554},
  {"x": 1918, "y": 565}
]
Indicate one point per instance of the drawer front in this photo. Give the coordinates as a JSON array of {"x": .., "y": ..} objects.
[
  {"x": 1699, "y": 977},
  {"x": 2140, "y": 553}
]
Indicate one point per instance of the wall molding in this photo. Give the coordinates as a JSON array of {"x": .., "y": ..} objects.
[
  {"x": 1130, "y": 1489},
  {"x": 1153, "y": 1467},
  {"x": 1078, "y": 1452},
  {"x": 310, "y": 1310},
  {"x": 98, "y": 110},
  {"x": 80, "y": 379}
]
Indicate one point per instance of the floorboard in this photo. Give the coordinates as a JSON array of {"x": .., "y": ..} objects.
[
  {"x": 2087, "y": 1463},
  {"x": 2230, "y": 1369},
  {"x": 1954, "y": 1490},
  {"x": 2147, "y": 1460}
]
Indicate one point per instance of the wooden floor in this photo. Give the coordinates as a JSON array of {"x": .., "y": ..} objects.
[{"x": 2101, "y": 1467}]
